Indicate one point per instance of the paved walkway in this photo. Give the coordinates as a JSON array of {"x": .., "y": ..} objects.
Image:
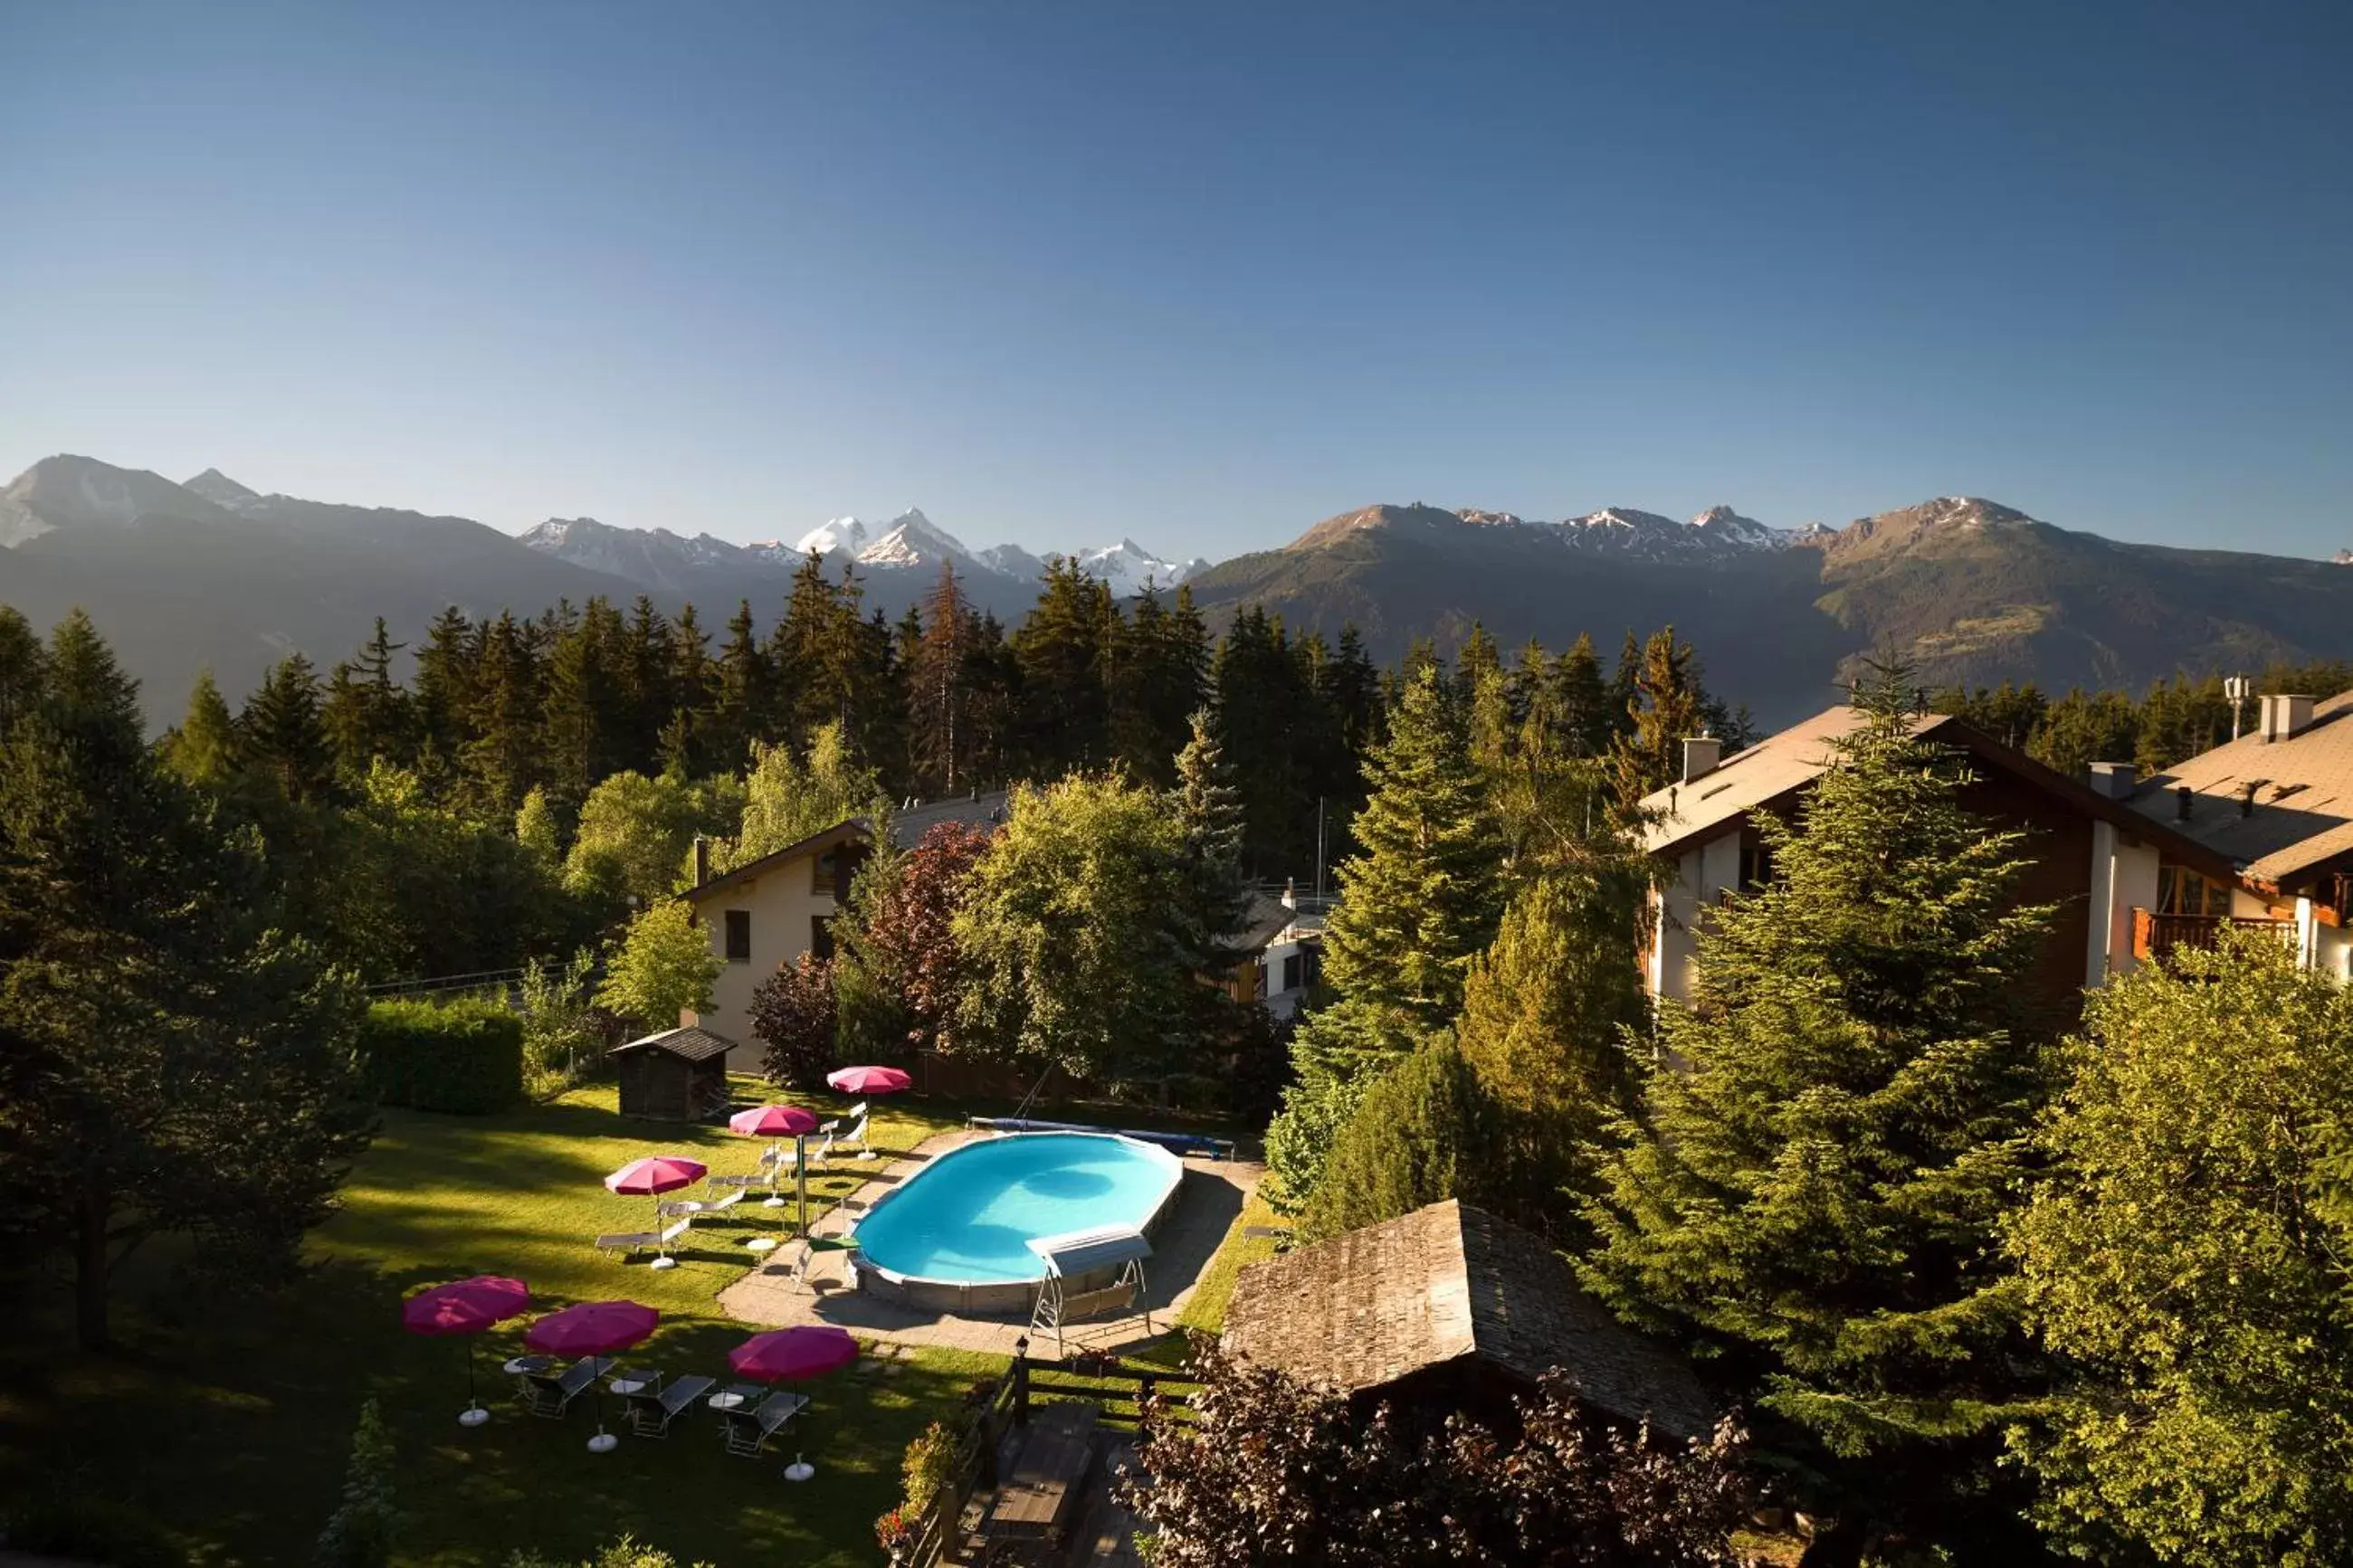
[{"x": 1212, "y": 1194}]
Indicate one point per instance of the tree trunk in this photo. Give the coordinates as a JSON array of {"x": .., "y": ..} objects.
[{"x": 89, "y": 1270}]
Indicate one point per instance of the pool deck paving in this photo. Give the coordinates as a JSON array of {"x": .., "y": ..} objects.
[{"x": 1213, "y": 1193}]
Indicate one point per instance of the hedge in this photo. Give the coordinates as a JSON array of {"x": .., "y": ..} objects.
[{"x": 463, "y": 1057}]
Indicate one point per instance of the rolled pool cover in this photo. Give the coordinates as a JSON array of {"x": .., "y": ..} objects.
[{"x": 1174, "y": 1143}]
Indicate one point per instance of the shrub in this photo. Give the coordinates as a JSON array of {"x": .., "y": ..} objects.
[
  {"x": 793, "y": 1012},
  {"x": 562, "y": 1039},
  {"x": 462, "y": 1057},
  {"x": 360, "y": 1532}
]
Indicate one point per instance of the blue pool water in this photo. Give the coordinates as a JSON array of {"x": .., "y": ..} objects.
[{"x": 968, "y": 1215}]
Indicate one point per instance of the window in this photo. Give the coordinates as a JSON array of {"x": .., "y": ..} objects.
[
  {"x": 1755, "y": 862},
  {"x": 822, "y": 870},
  {"x": 820, "y": 937},
  {"x": 2181, "y": 891},
  {"x": 739, "y": 936},
  {"x": 1295, "y": 971}
]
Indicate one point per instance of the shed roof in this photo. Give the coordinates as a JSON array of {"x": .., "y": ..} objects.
[
  {"x": 691, "y": 1043},
  {"x": 2303, "y": 812},
  {"x": 1266, "y": 918},
  {"x": 1443, "y": 1284}
]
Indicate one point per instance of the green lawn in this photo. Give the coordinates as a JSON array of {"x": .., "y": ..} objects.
[
  {"x": 1205, "y": 1310},
  {"x": 226, "y": 1420}
]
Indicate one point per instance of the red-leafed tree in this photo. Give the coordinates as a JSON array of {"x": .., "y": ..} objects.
[
  {"x": 1273, "y": 1472},
  {"x": 899, "y": 971},
  {"x": 793, "y": 1012}
]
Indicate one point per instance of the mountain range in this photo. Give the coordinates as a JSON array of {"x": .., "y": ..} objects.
[{"x": 213, "y": 572}]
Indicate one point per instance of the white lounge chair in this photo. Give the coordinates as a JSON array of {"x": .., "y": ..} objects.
[
  {"x": 857, "y": 1133},
  {"x": 629, "y": 1241}
]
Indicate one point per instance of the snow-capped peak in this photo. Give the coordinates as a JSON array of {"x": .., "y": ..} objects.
[
  {"x": 1127, "y": 566},
  {"x": 840, "y": 534},
  {"x": 913, "y": 540}
]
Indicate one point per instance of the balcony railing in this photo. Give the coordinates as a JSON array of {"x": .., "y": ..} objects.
[{"x": 2155, "y": 935}]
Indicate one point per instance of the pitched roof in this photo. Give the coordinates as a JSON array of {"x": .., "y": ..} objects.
[
  {"x": 1266, "y": 918},
  {"x": 852, "y": 829},
  {"x": 1785, "y": 762},
  {"x": 691, "y": 1043},
  {"x": 983, "y": 809},
  {"x": 1443, "y": 1284},
  {"x": 1752, "y": 777},
  {"x": 2302, "y": 811}
]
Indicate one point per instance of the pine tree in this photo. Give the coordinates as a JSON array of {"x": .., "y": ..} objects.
[
  {"x": 1579, "y": 699},
  {"x": 744, "y": 696},
  {"x": 446, "y": 671},
  {"x": 1668, "y": 707},
  {"x": 688, "y": 732},
  {"x": 939, "y": 688},
  {"x": 1426, "y": 1130},
  {"x": 503, "y": 758},
  {"x": 1546, "y": 1012},
  {"x": 1423, "y": 895},
  {"x": 21, "y": 661},
  {"x": 1209, "y": 807},
  {"x": 1064, "y": 649},
  {"x": 364, "y": 1529},
  {"x": 368, "y": 714},
  {"x": 203, "y": 749},
  {"x": 1815, "y": 1180},
  {"x": 282, "y": 736}
]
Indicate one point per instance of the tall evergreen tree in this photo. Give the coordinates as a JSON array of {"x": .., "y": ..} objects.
[
  {"x": 21, "y": 661},
  {"x": 744, "y": 696},
  {"x": 1668, "y": 708},
  {"x": 1209, "y": 807},
  {"x": 282, "y": 734},
  {"x": 688, "y": 732},
  {"x": 1835, "y": 1126},
  {"x": 1064, "y": 649},
  {"x": 203, "y": 749},
  {"x": 939, "y": 691},
  {"x": 503, "y": 759},
  {"x": 1421, "y": 896},
  {"x": 368, "y": 714},
  {"x": 1579, "y": 699},
  {"x": 447, "y": 671}
]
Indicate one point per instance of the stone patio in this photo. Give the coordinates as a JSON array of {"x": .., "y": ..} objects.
[{"x": 1212, "y": 1194}]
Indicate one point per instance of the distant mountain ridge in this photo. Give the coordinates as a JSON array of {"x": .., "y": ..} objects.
[{"x": 215, "y": 572}]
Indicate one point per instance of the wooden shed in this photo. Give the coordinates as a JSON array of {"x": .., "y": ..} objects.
[
  {"x": 678, "y": 1075},
  {"x": 1448, "y": 1309}
]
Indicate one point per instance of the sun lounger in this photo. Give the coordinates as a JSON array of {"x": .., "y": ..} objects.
[
  {"x": 661, "y": 1242},
  {"x": 628, "y": 1241},
  {"x": 652, "y": 1410},
  {"x": 551, "y": 1394},
  {"x": 727, "y": 1200},
  {"x": 748, "y": 1431}
]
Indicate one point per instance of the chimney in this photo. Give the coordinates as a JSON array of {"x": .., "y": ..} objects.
[
  {"x": 2247, "y": 796},
  {"x": 701, "y": 859},
  {"x": 2114, "y": 780},
  {"x": 2284, "y": 715},
  {"x": 1290, "y": 893},
  {"x": 2182, "y": 795},
  {"x": 1701, "y": 755}
]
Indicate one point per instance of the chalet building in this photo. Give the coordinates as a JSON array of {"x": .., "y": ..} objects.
[
  {"x": 2096, "y": 853},
  {"x": 762, "y": 916},
  {"x": 2277, "y": 804},
  {"x": 1451, "y": 1309},
  {"x": 1277, "y": 956}
]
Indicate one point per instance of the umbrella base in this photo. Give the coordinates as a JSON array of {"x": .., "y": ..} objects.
[
  {"x": 773, "y": 1204},
  {"x": 761, "y": 1244},
  {"x": 664, "y": 1263},
  {"x": 800, "y": 1470},
  {"x": 866, "y": 1153},
  {"x": 603, "y": 1443},
  {"x": 472, "y": 1415}
]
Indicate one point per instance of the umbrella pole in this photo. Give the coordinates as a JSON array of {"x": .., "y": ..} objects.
[
  {"x": 473, "y": 1414},
  {"x": 800, "y": 1176}
]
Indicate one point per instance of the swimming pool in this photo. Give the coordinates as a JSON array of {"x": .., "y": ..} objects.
[{"x": 955, "y": 1235}]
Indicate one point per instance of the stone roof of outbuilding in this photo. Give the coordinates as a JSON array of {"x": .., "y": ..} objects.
[{"x": 1445, "y": 1284}]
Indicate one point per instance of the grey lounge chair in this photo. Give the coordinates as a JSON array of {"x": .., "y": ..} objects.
[
  {"x": 748, "y": 1431},
  {"x": 652, "y": 1410},
  {"x": 550, "y": 1395}
]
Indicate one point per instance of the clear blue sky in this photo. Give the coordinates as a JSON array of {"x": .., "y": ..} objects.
[{"x": 1198, "y": 273}]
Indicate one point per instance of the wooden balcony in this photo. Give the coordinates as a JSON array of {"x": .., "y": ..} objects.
[{"x": 2156, "y": 935}]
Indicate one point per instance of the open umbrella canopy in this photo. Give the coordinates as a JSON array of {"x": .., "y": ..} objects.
[
  {"x": 656, "y": 1173},
  {"x": 806, "y": 1352},
  {"x": 773, "y": 1121},
  {"x": 592, "y": 1327},
  {"x": 464, "y": 1306},
  {"x": 869, "y": 1080}
]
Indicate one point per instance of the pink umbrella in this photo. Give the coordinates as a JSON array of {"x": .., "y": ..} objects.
[
  {"x": 656, "y": 1173},
  {"x": 869, "y": 1080},
  {"x": 465, "y": 1307},
  {"x": 773, "y": 1121},
  {"x": 806, "y": 1352},
  {"x": 592, "y": 1327}
]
